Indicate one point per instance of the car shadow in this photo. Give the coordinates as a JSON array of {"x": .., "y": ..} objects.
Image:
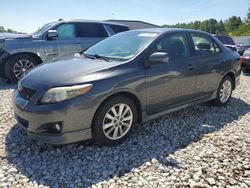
[
  {"x": 246, "y": 73},
  {"x": 87, "y": 164},
  {"x": 6, "y": 86}
]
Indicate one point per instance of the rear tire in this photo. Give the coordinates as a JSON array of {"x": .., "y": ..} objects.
[
  {"x": 224, "y": 92},
  {"x": 17, "y": 65},
  {"x": 114, "y": 121}
]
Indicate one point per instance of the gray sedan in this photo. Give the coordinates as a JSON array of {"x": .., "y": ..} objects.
[{"x": 129, "y": 78}]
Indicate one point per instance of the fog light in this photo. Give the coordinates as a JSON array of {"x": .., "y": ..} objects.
[
  {"x": 56, "y": 128},
  {"x": 51, "y": 128}
]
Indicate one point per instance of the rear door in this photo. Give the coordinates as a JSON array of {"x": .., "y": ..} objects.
[
  {"x": 174, "y": 83},
  {"x": 209, "y": 60},
  {"x": 90, "y": 34}
]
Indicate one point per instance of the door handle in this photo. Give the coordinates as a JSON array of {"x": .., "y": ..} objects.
[
  {"x": 76, "y": 42},
  {"x": 190, "y": 67}
]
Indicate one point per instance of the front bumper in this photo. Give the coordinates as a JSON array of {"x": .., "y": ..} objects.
[
  {"x": 246, "y": 63},
  {"x": 74, "y": 115}
]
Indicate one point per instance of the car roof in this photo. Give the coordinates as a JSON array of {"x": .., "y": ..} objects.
[
  {"x": 91, "y": 21},
  {"x": 169, "y": 30}
]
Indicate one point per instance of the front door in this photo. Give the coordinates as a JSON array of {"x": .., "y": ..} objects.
[
  {"x": 66, "y": 45},
  {"x": 174, "y": 83}
]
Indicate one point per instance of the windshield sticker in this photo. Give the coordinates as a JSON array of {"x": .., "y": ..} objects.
[{"x": 147, "y": 35}]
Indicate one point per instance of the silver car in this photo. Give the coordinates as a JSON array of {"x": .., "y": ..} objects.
[{"x": 53, "y": 41}]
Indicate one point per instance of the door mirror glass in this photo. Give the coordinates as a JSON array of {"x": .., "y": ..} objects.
[
  {"x": 158, "y": 57},
  {"x": 52, "y": 34}
]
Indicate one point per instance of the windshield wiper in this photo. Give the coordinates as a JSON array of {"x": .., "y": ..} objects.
[
  {"x": 101, "y": 57},
  {"x": 96, "y": 56},
  {"x": 89, "y": 56}
]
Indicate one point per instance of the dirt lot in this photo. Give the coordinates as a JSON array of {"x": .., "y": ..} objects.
[{"x": 201, "y": 146}]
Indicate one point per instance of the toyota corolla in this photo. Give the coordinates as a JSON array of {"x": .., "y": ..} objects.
[{"x": 126, "y": 79}]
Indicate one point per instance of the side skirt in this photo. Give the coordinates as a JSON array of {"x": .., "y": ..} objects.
[{"x": 146, "y": 117}]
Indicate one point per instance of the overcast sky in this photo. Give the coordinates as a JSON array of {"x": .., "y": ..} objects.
[{"x": 28, "y": 15}]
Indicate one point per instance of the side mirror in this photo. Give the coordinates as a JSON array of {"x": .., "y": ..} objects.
[
  {"x": 52, "y": 34},
  {"x": 158, "y": 57}
]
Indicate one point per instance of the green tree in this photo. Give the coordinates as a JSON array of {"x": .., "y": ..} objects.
[
  {"x": 233, "y": 23},
  {"x": 248, "y": 16}
]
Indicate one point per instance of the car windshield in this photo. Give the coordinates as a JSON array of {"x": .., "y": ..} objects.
[
  {"x": 122, "y": 46},
  {"x": 44, "y": 28},
  {"x": 226, "y": 40}
]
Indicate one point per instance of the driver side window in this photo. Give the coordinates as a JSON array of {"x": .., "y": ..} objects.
[
  {"x": 175, "y": 45},
  {"x": 66, "y": 31}
]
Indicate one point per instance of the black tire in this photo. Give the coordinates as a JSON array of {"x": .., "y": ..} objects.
[
  {"x": 12, "y": 61},
  {"x": 218, "y": 101},
  {"x": 97, "y": 125}
]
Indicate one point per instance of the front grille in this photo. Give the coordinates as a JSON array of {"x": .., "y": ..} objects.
[
  {"x": 26, "y": 93},
  {"x": 22, "y": 121}
]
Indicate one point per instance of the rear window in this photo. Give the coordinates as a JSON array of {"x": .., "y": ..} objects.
[
  {"x": 118, "y": 28},
  {"x": 91, "y": 30}
]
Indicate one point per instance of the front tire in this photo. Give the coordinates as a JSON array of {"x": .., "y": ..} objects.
[
  {"x": 224, "y": 92},
  {"x": 17, "y": 65},
  {"x": 114, "y": 121}
]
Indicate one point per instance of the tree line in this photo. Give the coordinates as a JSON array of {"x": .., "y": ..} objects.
[
  {"x": 3, "y": 30},
  {"x": 234, "y": 25}
]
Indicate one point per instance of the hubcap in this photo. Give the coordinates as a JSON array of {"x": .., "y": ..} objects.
[
  {"x": 117, "y": 121},
  {"x": 22, "y": 66},
  {"x": 225, "y": 91}
]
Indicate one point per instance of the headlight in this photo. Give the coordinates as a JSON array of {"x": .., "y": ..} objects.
[{"x": 59, "y": 94}]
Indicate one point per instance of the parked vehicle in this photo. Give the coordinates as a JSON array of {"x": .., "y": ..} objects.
[
  {"x": 129, "y": 78},
  {"x": 227, "y": 41},
  {"x": 53, "y": 41},
  {"x": 243, "y": 46},
  {"x": 245, "y": 61}
]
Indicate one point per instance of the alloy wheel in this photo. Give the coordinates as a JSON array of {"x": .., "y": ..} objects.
[
  {"x": 22, "y": 66},
  {"x": 117, "y": 121},
  {"x": 225, "y": 91}
]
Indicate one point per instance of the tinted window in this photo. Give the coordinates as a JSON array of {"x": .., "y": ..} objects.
[
  {"x": 93, "y": 30},
  {"x": 204, "y": 45},
  {"x": 226, "y": 40},
  {"x": 66, "y": 30},
  {"x": 118, "y": 29},
  {"x": 175, "y": 45}
]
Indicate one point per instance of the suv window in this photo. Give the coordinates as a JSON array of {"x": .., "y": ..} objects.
[
  {"x": 118, "y": 28},
  {"x": 226, "y": 40},
  {"x": 175, "y": 45},
  {"x": 66, "y": 30},
  {"x": 91, "y": 30},
  {"x": 204, "y": 45}
]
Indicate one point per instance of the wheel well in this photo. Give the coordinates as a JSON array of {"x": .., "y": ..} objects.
[
  {"x": 133, "y": 98},
  {"x": 232, "y": 76},
  {"x": 35, "y": 56}
]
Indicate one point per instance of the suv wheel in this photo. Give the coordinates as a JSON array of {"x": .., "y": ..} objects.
[
  {"x": 114, "y": 121},
  {"x": 224, "y": 92},
  {"x": 17, "y": 65}
]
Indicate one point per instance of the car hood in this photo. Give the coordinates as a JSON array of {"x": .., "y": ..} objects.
[
  {"x": 14, "y": 36},
  {"x": 69, "y": 72},
  {"x": 243, "y": 45}
]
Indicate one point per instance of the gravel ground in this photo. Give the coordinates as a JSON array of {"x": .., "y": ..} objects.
[{"x": 201, "y": 146}]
